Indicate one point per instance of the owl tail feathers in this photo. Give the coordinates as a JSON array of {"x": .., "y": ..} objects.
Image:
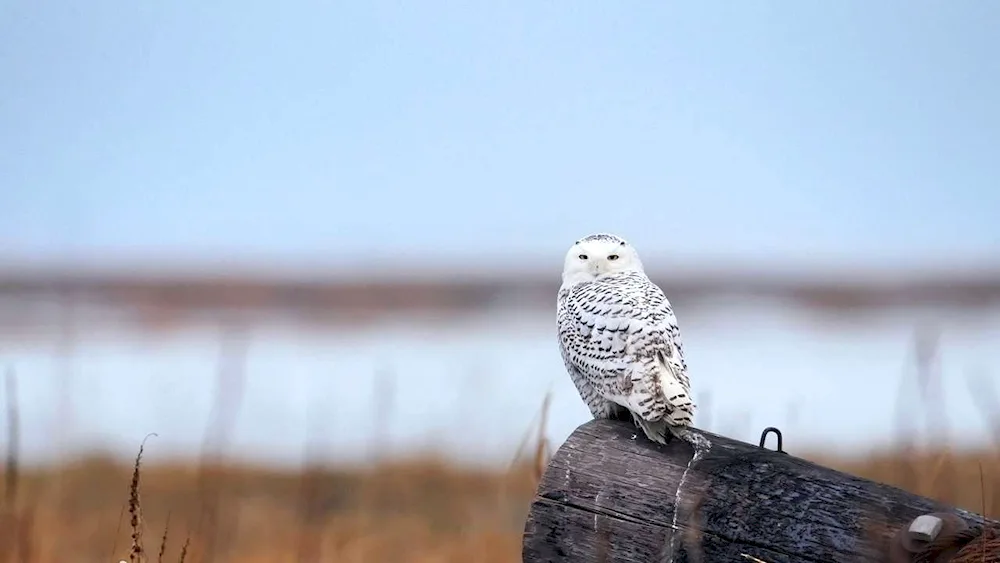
[
  {"x": 680, "y": 407},
  {"x": 662, "y": 432}
]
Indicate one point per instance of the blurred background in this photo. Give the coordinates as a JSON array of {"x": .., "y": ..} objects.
[{"x": 333, "y": 233}]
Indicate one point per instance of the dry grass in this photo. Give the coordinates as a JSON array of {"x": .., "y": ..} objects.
[
  {"x": 415, "y": 511},
  {"x": 420, "y": 510}
]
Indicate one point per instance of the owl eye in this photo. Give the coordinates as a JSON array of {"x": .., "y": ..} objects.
[
  {"x": 582, "y": 257},
  {"x": 613, "y": 257}
]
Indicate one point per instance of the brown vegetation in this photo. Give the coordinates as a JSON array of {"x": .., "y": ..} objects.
[
  {"x": 161, "y": 300},
  {"x": 414, "y": 511}
]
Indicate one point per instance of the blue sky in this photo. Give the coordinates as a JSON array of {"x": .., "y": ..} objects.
[{"x": 361, "y": 130}]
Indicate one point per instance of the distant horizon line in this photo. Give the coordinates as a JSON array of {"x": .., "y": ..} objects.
[
  {"x": 402, "y": 267},
  {"x": 160, "y": 297}
]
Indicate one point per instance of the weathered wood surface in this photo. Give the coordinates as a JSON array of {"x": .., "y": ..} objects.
[{"x": 609, "y": 495}]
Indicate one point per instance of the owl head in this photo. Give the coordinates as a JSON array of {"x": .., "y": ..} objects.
[{"x": 597, "y": 255}]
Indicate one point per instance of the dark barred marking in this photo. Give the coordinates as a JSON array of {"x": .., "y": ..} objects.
[{"x": 603, "y": 237}]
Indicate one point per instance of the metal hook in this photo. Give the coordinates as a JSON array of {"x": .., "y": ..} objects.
[{"x": 763, "y": 438}]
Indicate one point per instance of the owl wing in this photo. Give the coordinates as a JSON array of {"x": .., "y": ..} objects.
[
  {"x": 621, "y": 334},
  {"x": 665, "y": 323}
]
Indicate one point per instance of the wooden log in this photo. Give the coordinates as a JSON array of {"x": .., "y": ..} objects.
[{"x": 611, "y": 495}]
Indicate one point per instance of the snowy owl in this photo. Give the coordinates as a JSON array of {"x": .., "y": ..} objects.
[{"x": 619, "y": 339}]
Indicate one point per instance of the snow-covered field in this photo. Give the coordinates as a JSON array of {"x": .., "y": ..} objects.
[{"x": 472, "y": 388}]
